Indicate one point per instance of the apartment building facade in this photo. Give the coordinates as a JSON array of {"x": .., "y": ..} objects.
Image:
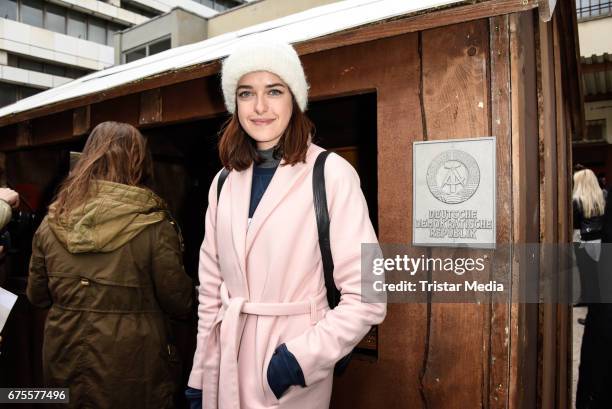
[
  {"x": 594, "y": 150},
  {"x": 46, "y": 43}
]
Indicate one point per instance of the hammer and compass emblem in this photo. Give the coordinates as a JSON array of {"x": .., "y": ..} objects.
[{"x": 453, "y": 176}]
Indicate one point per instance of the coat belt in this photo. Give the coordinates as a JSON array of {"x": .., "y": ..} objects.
[{"x": 221, "y": 386}]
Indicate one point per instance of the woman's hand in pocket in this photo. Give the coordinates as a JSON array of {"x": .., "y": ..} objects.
[{"x": 284, "y": 371}]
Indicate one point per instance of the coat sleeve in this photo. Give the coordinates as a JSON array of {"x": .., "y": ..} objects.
[
  {"x": 173, "y": 287},
  {"x": 38, "y": 281},
  {"x": 319, "y": 348},
  {"x": 6, "y": 212},
  {"x": 209, "y": 289}
]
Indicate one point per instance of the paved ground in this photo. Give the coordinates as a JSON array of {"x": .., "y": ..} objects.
[{"x": 577, "y": 333}]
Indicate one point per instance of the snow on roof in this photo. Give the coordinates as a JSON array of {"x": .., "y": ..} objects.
[
  {"x": 189, "y": 5},
  {"x": 306, "y": 25}
]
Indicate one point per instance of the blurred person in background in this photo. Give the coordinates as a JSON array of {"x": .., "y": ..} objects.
[
  {"x": 588, "y": 204},
  {"x": 107, "y": 260},
  {"x": 9, "y": 200},
  {"x": 593, "y": 226}
]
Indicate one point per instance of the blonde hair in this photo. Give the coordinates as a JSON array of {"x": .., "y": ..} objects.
[{"x": 588, "y": 194}]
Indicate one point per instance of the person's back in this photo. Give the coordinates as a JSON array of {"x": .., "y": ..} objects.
[{"x": 110, "y": 269}]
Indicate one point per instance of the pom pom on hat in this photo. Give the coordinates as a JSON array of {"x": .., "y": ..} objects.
[{"x": 264, "y": 54}]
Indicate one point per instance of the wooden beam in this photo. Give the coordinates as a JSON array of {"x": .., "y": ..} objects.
[
  {"x": 564, "y": 212},
  {"x": 548, "y": 211},
  {"x": 417, "y": 22},
  {"x": 456, "y": 105},
  {"x": 81, "y": 120},
  {"x": 546, "y": 9},
  {"x": 500, "y": 91},
  {"x": 204, "y": 96},
  {"x": 571, "y": 67},
  {"x": 24, "y": 134},
  {"x": 121, "y": 109},
  {"x": 150, "y": 107},
  {"x": 525, "y": 187}
]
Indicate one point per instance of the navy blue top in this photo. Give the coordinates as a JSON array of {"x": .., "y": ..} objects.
[{"x": 261, "y": 179}]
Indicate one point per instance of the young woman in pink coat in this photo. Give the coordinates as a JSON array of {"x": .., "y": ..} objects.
[{"x": 266, "y": 336}]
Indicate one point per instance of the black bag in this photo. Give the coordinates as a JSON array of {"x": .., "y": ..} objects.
[
  {"x": 322, "y": 214},
  {"x": 591, "y": 226}
]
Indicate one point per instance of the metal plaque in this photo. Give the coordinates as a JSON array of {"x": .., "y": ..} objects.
[{"x": 454, "y": 193}]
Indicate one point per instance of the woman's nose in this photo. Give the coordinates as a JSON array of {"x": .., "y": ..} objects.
[{"x": 261, "y": 105}]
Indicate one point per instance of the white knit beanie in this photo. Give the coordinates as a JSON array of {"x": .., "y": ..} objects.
[{"x": 264, "y": 54}]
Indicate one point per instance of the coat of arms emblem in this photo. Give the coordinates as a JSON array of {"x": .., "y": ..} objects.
[{"x": 453, "y": 176}]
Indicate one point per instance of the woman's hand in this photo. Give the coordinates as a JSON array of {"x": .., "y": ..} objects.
[
  {"x": 194, "y": 398},
  {"x": 284, "y": 371},
  {"x": 9, "y": 196}
]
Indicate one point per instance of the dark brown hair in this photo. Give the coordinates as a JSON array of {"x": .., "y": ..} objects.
[
  {"x": 115, "y": 152},
  {"x": 237, "y": 150}
]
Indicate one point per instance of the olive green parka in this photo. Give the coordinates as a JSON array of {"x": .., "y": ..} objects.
[{"x": 111, "y": 272}]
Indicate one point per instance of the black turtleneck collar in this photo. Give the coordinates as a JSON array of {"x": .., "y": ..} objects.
[{"x": 268, "y": 159}]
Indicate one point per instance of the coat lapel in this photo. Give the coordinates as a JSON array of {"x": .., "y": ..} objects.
[
  {"x": 284, "y": 179},
  {"x": 240, "y": 190}
]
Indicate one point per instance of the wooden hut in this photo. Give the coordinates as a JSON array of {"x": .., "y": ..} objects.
[{"x": 383, "y": 75}]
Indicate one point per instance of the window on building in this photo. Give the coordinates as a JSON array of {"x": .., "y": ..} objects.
[
  {"x": 136, "y": 54},
  {"x": 110, "y": 33},
  {"x": 159, "y": 46},
  {"x": 46, "y": 67},
  {"x": 25, "y": 92},
  {"x": 31, "y": 65},
  {"x": 154, "y": 47},
  {"x": 593, "y": 8},
  {"x": 8, "y": 94},
  {"x": 77, "y": 25},
  {"x": 31, "y": 12},
  {"x": 138, "y": 9},
  {"x": 96, "y": 31},
  {"x": 75, "y": 72},
  {"x": 8, "y": 9},
  {"x": 13, "y": 61},
  {"x": 54, "y": 69},
  {"x": 220, "y": 5},
  {"x": 60, "y": 20},
  {"x": 596, "y": 130},
  {"x": 55, "y": 18}
]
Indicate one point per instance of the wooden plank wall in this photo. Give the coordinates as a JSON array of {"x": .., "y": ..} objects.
[
  {"x": 456, "y": 104},
  {"x": 471, "y": 79},
  {"x": 448, "y": 82},
  {"x": 555, "y": 190}
]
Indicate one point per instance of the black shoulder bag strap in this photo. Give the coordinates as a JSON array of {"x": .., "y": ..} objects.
[
  {"x": 322, "y": 213},
  {"x": 320, "y": 204},
  {"x": 220, "y": 182}
]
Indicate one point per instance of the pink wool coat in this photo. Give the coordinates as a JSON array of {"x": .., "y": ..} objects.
[{"x": 262, "y": 285}]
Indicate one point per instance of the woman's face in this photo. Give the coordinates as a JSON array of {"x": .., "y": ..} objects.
[{"x": 265, "y": 105}]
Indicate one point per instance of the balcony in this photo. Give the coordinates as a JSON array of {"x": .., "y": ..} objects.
[{"x": 591, "y": 9}]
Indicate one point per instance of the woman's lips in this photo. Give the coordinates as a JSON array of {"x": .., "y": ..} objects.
[{"x": 262, "y": 122}]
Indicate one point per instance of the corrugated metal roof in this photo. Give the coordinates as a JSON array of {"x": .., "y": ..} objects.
[
  {"x": 294, "y": 28},
  {"x": 597, "y": 74}
]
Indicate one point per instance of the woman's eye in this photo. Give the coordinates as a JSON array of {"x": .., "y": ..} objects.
[
  {"x": 244, "y": 94},
  {"x": 275, "y": 92}
]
